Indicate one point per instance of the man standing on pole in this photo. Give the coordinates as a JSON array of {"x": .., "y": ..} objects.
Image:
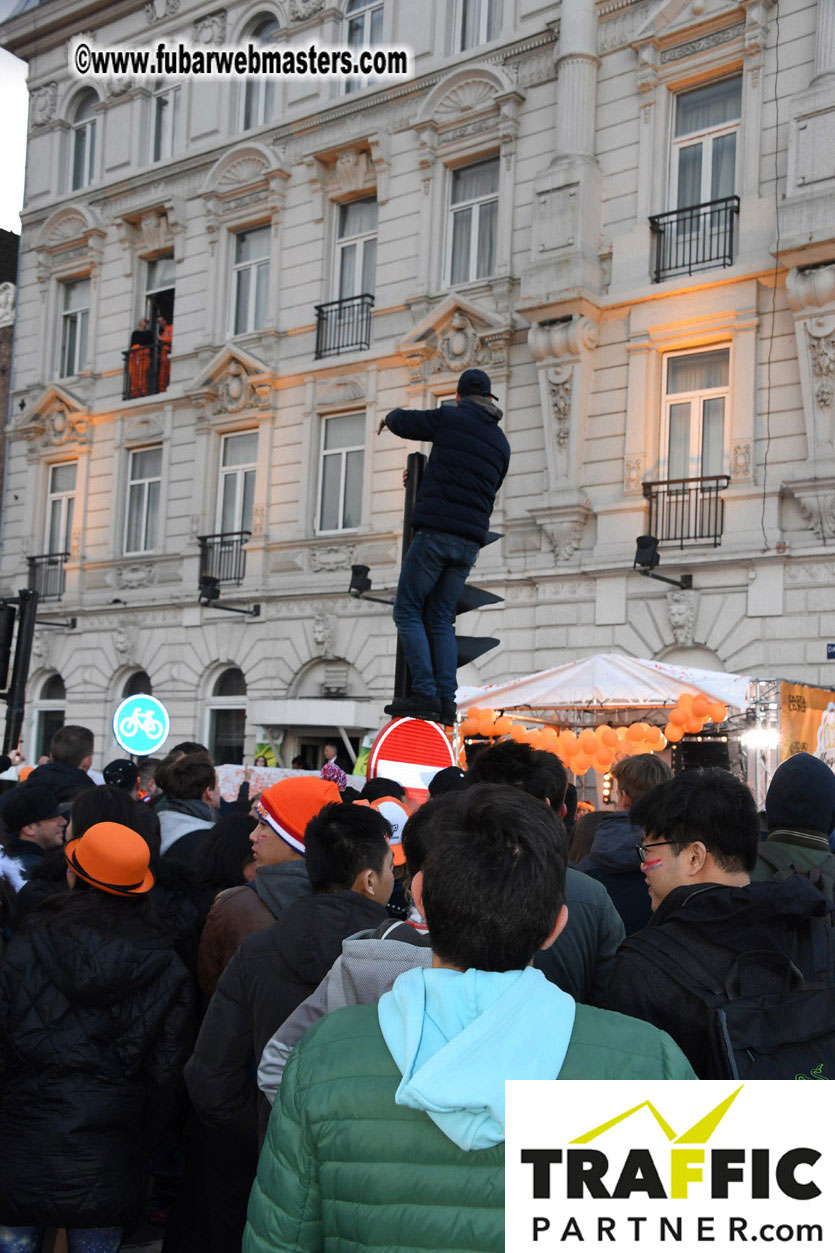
[{"x": 451, "y": 520}]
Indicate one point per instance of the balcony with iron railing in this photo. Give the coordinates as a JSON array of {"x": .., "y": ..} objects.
[
  {"x": 701, "y": 237},
  {"x": 47, "y": 575},
  {"x": 687, "y": 511},
  {"x": 343, "y": 325},
  {"x": 147, "y": 370},
  {"x": 223, "y": 556}
]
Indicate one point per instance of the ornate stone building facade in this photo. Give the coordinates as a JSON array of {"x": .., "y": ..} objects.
[{"x": 624, "y": 210}]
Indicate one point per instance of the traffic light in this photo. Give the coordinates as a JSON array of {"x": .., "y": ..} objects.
[
  {"x": 472, "y": 646},
  {"x": 208, "y": 590}
]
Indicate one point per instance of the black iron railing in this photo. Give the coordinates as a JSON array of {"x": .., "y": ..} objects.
[
  {"x": 698, "y": 238},
  {"x": 223, "y": 556},
  {"x": 687, "y": 511},
  {"x": 343, "y": 325},
  {"x": 47, "y": 576},
  {"x": 147, "y": 370}
]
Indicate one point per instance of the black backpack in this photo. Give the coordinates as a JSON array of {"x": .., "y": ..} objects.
[
  {"x": 788, "y": 1034},
  {"x": 781, "y": 863}
]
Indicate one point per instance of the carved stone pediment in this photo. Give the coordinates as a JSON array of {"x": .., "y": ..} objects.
[
  {"x": 681, "y": 22},
  {"x": 563, "y": 527},
  {"x": 349, "y": 171},
  {"x": 469, "y": 94},
  {"x": 248, "y": 171},
  {"x": 232, "y": 382},
  {"x": 339, "y": 393},
  {"x": 152, "y": 231},
  {"x": 54, "y": 419},
  {"x": 454, "y": 336},
  {"x": 67, "y": 234},
  {"x": 816, "y": 501}
]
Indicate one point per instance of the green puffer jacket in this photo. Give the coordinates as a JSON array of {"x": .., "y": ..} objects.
[{"x": 343, "y": 1168}]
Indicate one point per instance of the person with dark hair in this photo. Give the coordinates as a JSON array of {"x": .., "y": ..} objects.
[
  {"x": 186, "y": 747},
  {"x": 193, "y": 798},
  {"x": 278, "y": 849},
  {"x": 569, "y": 818},
  {"x": 450, "y": 779},
  {"x": 123, "y": 774},
  {"x": 800, "y": 814},
  {"x": 34, "y": 825},
  {"x": 70, "y": 757},
  {"x": 299, "y": 763},
  {"x": 699, "y": 847},
  {"x": 374, "y": 789},
  {"x": 96, "y": 1020},
  {"x": 582, "y": 961},
  {"x": 612, "y": 859},
  {"x": 451, "y": 521},
  {"x": 582, "y": 837},
  {"x": 435, "y": 1053},
  {"x": 350, "y": 867}
]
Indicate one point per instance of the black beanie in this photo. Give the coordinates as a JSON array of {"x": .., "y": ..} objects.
[{"x": 802, "y": 795}]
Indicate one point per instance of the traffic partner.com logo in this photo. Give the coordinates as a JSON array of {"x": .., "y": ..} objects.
[{"x": 690, "y": 1171}]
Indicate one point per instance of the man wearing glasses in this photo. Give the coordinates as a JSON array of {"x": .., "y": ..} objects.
[{"x": 699, "y": 847}]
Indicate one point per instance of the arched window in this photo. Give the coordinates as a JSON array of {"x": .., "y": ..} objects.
[
  {"x": 259, "y": 94},
  {"x": 84, "y": 140},
  {"x": 49, "y": 715},
  {"x": 227, "y": 718},
  {"x": 138, "y": 684}
]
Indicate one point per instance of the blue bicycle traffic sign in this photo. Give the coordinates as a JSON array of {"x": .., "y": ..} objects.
[{"x": 141, "y": 725}]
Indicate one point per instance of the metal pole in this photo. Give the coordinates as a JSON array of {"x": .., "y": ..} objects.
[
  {"x": 28, "y": 608},
  {"x": 415, "y": 465}
]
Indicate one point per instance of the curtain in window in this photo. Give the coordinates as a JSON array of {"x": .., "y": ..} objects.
[
  {"x": 689, "y": 178},
  {"x": 357, "y": 218},
  {"x": 474, "y": 181},
  {"x": 470, "y": 23},
  {"x": 723, "y": 167},
  {"x": 461, "y": 232},
  {"x": 486, "y": 255},
  {"x": 713, "y": 435},
  {"x": 709, "y": 106},
  {"x": 678, "y": 453},
  {"x": 698, "y": 372}
]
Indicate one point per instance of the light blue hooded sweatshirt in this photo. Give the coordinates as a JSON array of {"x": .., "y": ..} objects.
[{"x": 456, "y": 1036}]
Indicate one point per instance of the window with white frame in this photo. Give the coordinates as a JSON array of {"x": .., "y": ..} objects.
[
  {"x": 705, "y": 143},
  {"x": 341, "y": 472},
  {"x": 250, "y": 280},
  {"x": 83, "y": 143},
  {"x": 697, "y": 389},
  {"x": 236, "y": 489},
  {"x": 481, "y": 21},
  {"x": 75, "y": 318},
  {"x": 365, "y": 30},
  {"x": 227, "y": 717},
  {"x": 473, "y": 218},
  {"x": 166, "y": 114},
  {"x": 356, "y": 248},
  {"x": 49, "y": 714},
  {"x": 144, "y": 485},
  {"x": 259, "y": 93},
  {"x": 60, "y": 505}
]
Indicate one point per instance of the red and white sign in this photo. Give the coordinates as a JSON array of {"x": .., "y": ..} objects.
[{"x": 411, "y": 752}]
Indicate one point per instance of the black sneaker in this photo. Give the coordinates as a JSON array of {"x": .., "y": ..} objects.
[
  {"x": 448, "y": 712},
  {"x": 416, "y": 706}
]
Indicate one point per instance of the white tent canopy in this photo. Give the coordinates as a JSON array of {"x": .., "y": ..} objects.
[{"x": 609, "y": 680}]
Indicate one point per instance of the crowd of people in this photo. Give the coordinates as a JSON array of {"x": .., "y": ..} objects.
[{"x": 286, "y": 1022}]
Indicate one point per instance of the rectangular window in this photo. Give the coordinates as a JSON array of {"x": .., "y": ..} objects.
[
  {"x": 74, "y": 322},
  {"x": 356, "y": 248},
  {"x": 166, "y": 123},
  {"x": 251, "y": 276},
  {"x": 60, "y": 503},
  {"x": 704, "y": 143},
  {"x": 341, "y": 470},
  {"x": 365, "y": 30},
  {"x": 236, "y": 490},
  {"x": 144, "y": 483},
  {"x": 474, "y": 211},
  {"x": 697, "y": 390},
  {"x": 481, "y": 21}
]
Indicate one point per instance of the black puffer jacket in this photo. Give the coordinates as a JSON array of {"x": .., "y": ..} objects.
[
  {"x": 613, "y": 861},
  {"x": 63, "y": 780},
  {"x": 466, "y": 467},
  {"x": 96, "y": 1021}
]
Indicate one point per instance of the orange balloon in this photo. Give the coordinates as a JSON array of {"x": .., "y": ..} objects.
[
  {"x": 485, "y": 724},
  {"x": 580, "y": 763},
  {"x": 518, "y": 733},
  {"x": 654, "y": 736},
  {"x": 718, "y": 711},
  {"x": 588, "y": 742},
  {"x": 660, "y": 746},
  {"x": 603, "y": 759},
  {"x": 701, "y": 706},
  {"x": 609, "y": 737},
  {"x": 678, "y": 717},
  {"x": 474, "y": 711},
  {"x": 621, "y": 732},
  {"x": 673, "y": 732},
  {"x": 685, "y": 702},
  {"x": 549, "y": 739},
  {"x": 469, "y": 727},
  {"x": 502, "y": 725},
  {"x": 635, "y": 733},
  {"x": 693, "y": 725},
  {"x": 569, "y": 743}
]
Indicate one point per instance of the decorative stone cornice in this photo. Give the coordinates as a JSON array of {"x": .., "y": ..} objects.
[
  {"x": 563, "y": 527},
  {"x": 816, "y": 501},
  {"x": 810, "y": 289},
  {"x": 562, "y": 339},
  {"x": 55, "y": 419}
]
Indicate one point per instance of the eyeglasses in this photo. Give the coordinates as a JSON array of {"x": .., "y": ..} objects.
[{"x": 643, "y": 850}]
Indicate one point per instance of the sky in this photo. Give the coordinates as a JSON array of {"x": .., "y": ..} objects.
[{"x": 14, "y": 104}]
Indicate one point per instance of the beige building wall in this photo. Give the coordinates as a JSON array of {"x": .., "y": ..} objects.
[{"x": 577, "y": 102}]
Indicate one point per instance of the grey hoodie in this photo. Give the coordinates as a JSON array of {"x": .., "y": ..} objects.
[{"x": 368, "y": 967}]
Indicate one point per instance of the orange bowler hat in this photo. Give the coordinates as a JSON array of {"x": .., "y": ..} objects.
[{"x": 112, "y": 858}]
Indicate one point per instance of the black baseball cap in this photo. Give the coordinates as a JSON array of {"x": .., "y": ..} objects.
[
  {"x": 474, "y": 383},
  {"x": 30, "y": 803},
  {"x": 121, "y": 773}
]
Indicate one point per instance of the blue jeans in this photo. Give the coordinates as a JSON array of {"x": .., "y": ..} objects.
[
  {"x": 432, "y": 577},
  {"x": 79, "y": 1239}
]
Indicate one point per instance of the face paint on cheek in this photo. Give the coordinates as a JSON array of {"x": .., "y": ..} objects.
[{"x": 650, "y": 865}]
